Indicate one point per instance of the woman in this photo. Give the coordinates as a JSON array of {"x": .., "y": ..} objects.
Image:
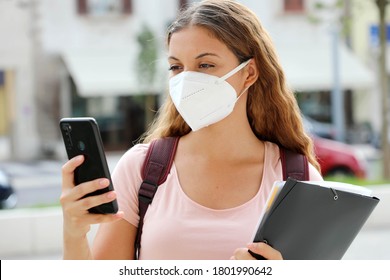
[{"x": 230, "y": 104}]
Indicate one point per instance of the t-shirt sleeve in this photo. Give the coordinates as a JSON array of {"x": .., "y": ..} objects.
[{"x": 126, "y": 179}]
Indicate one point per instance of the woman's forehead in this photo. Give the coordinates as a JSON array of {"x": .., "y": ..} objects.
[{"x": 196, "y": 39}]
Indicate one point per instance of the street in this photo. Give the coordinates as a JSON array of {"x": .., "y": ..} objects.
[{"x": 38, "y": 183}]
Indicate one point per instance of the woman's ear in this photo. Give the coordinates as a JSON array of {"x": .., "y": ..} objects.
[{"x": 252, "y": 73}]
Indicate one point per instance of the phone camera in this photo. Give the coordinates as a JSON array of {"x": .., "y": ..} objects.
[
  {"x": 67, "y": 127},
  {"x": 81, "y": 145}
]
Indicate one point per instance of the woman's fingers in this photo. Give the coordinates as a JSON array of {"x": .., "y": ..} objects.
[
  {"x": 68, "y": 172},
  {"x": 94, "y": 200},
  {"x": 74, "y": 194},
  {"x": 265, "y": 250},
  {"x": 89, "y": 187},
  {"x": 76, "y": 202},
  {"x": 260, "y": 248},
  {"x": 241, "y": 254}
]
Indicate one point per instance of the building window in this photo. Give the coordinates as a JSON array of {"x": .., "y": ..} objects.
[
  {"x": 82, "y": 7},
  {"x": 294, "y": 5},
  {"x": 127, "y": 7},
  {"x": 2, "y": 78},
  {"x": 104, "y": 7}
]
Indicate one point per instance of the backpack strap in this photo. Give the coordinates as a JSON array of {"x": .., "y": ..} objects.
[
  {"x": 157, "y": 164},
  {"x": 294, "y": 165}
]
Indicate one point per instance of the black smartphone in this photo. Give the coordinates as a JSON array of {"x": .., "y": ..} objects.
[{"x": 82, "y": 137}]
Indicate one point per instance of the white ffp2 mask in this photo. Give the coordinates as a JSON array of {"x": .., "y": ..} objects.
[{"x": 203, "y": 99}]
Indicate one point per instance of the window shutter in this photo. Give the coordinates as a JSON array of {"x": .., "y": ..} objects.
[
  {"x": 293, "y": 6},
  {"x": 127, "y": 6},
  {"x": 82, "y": 7}
]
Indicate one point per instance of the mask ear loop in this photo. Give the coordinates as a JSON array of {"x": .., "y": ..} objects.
[
  {"x": 234, "y": 71},
  {"x": 242, "y": 93}
]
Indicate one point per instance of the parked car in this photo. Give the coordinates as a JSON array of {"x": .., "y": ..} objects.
[
  {"x": 321, "y": 129},
  {"x": 337, "y": 158},
  {"x": 7, "y": 194}
]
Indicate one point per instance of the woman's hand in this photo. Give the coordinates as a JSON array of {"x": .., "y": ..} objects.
[
  {"x": 259, "y": 248},
  {"x": 77, "y": 219}
]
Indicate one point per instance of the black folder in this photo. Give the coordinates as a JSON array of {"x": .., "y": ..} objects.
[{"x": 307, "y": 221}]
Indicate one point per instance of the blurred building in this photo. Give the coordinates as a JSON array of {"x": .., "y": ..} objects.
[
  {"x": 17, "y": 100},
  {"x": 106, "y": 59},
  {"x": 365, "y": 42},
  {"x": 313, "y": 58},
  {"x": 101, "y": 58}
]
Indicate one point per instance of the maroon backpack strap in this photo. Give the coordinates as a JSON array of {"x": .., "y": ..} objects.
[
  {"x": 155, "y": 170},
  {"x": 294, "y": 165}
]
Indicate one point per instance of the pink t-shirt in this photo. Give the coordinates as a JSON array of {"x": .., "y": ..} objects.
[{"x": 176, "y": 227}]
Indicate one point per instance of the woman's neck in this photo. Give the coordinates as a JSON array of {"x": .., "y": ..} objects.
[{"x": 224, "y": 140}]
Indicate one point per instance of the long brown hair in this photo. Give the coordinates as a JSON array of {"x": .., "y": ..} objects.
[{"x": 272, "y": 109}]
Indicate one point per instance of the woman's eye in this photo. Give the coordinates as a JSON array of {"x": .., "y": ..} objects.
[
  {"x": 206, "y": 66},
  {"x": 174, "y": 68}
]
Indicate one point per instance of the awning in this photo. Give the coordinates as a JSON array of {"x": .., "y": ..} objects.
[
  {"x": 107, "y": 72},
  {"x": 309, "y": 66}
]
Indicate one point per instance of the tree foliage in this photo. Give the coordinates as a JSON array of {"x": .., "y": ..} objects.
[{"x": 147, "y": 57}]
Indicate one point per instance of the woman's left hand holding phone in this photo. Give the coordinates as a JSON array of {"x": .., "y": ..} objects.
[{"x": 77, "y": 220}]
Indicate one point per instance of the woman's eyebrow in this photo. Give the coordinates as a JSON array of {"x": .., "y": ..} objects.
[
  {"x": 206, "y": 54},
  {"x": 173, "y": 58},
  {"x": 197, "y": 57}
]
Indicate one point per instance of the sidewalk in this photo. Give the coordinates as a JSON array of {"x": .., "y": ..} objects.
[{"x": 372, "y": 243}]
